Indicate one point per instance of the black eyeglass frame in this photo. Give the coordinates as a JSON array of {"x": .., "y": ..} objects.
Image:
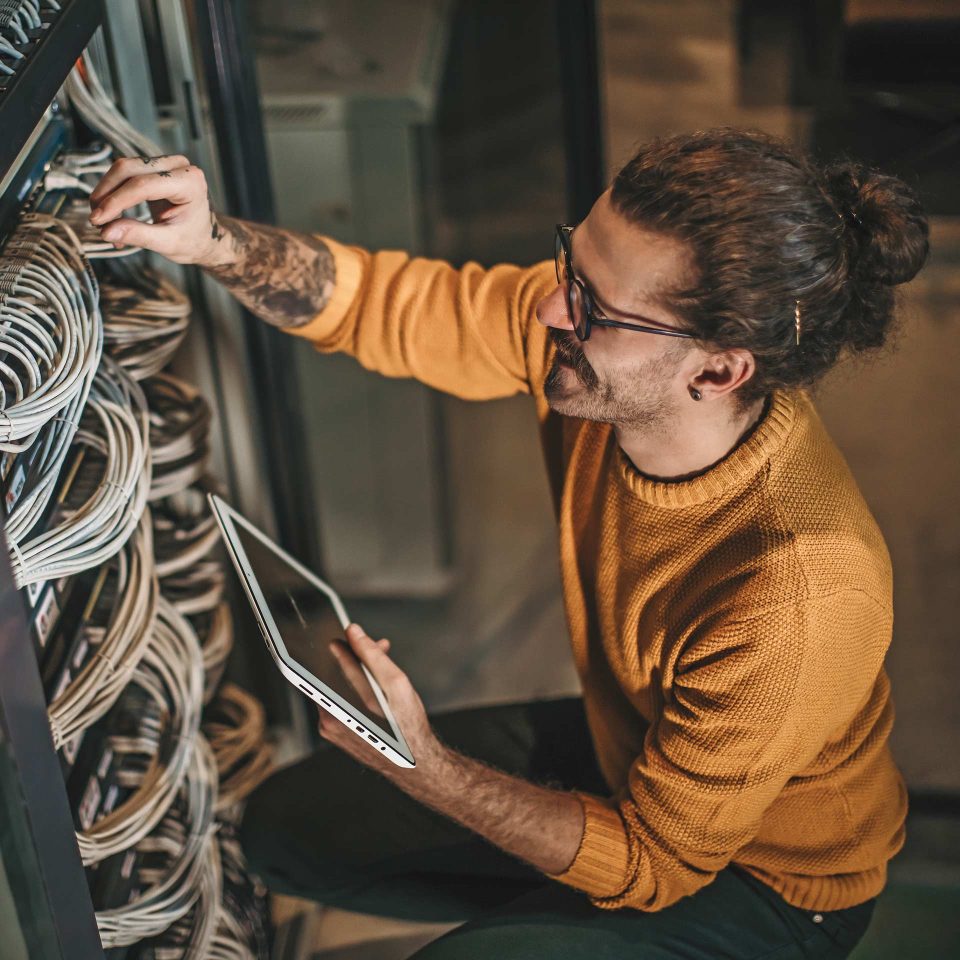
[{"x": 591, "y": 316}]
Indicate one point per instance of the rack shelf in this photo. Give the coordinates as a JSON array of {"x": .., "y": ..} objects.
[{"x": 25, "y": 96}]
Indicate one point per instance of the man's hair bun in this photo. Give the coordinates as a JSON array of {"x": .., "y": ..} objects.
[
  {"x": 770, "y": 232},
  {"x": 887, "y": 228}
]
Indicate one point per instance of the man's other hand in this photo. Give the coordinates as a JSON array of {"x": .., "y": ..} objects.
[{"x": 405, "y": 704}]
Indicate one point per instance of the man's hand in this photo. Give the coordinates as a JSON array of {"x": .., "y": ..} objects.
[
  {"x": 284, "y": 277},
  {"x": 536, "y": 824},
  {"x": 184, "y": 229},
  {"x": 406, "y": 705}
]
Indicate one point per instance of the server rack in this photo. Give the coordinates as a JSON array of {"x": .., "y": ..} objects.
[
  {"x": 51, "y": 902},
  {"x": 46, "y": 908}
]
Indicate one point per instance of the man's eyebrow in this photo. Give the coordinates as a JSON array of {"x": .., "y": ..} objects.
[
  {"x": 605, "y": 305},
  {"x": 616, "y": 312}
]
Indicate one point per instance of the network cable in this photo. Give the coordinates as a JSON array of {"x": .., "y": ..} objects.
[
  {"x": 122, "y": 644},
  {"x": 235, "y": 726},
  {"x": 215, "y": 632},
  {"x": 99, "y": 112},
  {"x": 106, "y": 506},
  {"x": 179, "y": 427},
  {"x": 171, "y": 673},
  {"x": 172, "y": 891},
  {"x": 51, "y": 335},
  {"x": 145, "y": 318}
]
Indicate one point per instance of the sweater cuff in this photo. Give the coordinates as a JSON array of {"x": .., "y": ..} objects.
[
  {"x": 602, "y": 862},
  {"x": 348, "y": 271}
]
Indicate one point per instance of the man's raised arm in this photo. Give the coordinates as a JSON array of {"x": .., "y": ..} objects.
[{"x": 466, "y": 331}]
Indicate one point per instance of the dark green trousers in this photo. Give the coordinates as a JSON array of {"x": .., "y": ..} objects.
[{"x": 330, "y": 830}]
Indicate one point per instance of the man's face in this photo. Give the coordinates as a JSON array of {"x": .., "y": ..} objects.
[{"x": 619, "y": 376}]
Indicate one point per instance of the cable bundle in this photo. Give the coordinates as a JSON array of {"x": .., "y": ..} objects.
[
  {"x": 215, "y": 632},
  {"x": 75, "y": 211},
  {"x": 177, "y": 860},
  {"x": 230, "y": 942},
  {"x": 235, "y": 725},
  {"x": 197, "y": 590},
  {"x": 107, "y": 497},
  {"x": 50, "y": 330},
  {"x": 184, "y": 534},
  {"x": 191, "y": 937},
  {"x": 179, "y": 426},
  {"x": 120, "y": 646},
  {"x": 243, "y": 928},
  {"x": 145, "y": 318},
  {"x": 99, "y": 112},
  {"x": 43, "y": 470},
  {"x": 171, "y": 673},
  {"x": 199, "y": 902}
]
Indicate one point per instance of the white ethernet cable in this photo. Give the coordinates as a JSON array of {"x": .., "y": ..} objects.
[
  {"x": 145, "y": 318},
  {"x": 51, "y": 334},
  {"x": 76, "y": 212},
  {"x": 183, "y": 537},
  {"x": 100, "y": 113},
  {"x": 54, "y": 440},
  {"x": 236, "y": 939},
  {"x": 171, "y": 896},
  {"x": 206, "y": 917},
  {"x": 197, "y": 590},
  {"x": 123, "y": 644},
  {"x": 171, "y": 672},
  {"x": 26, "y": 17},
  {"x": 230, "y": 941},
  {"x": 215, "y": 632},
  {"x": 184, "y": 531},
  {"x": 191, "y": 937},
  {"x": 115, "y": 426},
  {"x": 179, "y": 427}
]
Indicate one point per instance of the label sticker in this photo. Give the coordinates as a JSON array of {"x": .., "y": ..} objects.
[
  {"x": 47, "y": 614},
  {"x": 72, "y": 747},
  {"x": 89, "y": 803},
  {"x": 34, "y": 590}
]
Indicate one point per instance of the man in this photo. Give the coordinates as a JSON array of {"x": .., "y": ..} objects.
[{"x": 724, "y": 788}]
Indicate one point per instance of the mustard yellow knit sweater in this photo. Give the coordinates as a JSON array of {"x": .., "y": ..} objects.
[{"x": 729, "y": 631}]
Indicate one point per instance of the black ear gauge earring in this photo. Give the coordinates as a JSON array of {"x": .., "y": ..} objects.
[{"x": 695, "y": 393}]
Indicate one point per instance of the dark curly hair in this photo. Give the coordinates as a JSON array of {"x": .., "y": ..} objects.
[{"x": 768, "y": 227}]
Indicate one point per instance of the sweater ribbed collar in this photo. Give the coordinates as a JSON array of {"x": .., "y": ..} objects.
[{"x": 740, "y": 465}]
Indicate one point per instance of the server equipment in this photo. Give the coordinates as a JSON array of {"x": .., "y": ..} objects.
[{"x": 124, "y": 756}]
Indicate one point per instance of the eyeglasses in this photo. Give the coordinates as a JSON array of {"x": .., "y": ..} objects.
[{"x": 580, "y": 303}]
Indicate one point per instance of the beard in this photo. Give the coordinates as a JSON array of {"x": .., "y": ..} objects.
[{"x": 636, "y": 396}]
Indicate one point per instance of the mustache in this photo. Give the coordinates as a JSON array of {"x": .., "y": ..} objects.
[
  {"x": 568, "y": 350},
  {"x": 565, "y": 348}
]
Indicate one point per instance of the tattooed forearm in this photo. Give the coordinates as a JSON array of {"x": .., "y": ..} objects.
[{"x": 284, "y": 277}]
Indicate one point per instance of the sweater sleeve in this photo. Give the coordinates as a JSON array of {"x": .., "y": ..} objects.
[
  {"x": 470, "y": 332},
  {"x": 752, "y": 705}
]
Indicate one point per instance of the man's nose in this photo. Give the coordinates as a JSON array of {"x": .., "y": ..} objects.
[{"x": 552, "y": 310}]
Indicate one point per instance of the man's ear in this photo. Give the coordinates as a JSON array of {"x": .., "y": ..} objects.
[{"x": 724, "y": 372}]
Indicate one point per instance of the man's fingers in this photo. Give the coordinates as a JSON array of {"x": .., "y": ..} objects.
[
  {"x": 373, "y": 655},
  {"x": 178, "y": 186},
  {"x": 349, "y": 666},
  {"x": 128, "y": 167},
  {"x": 133, "y": 233}
]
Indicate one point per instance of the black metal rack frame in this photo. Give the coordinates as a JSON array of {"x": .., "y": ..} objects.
[
  {"x": 37, "y": 839},
  {"x": 28, "y": 94}
]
